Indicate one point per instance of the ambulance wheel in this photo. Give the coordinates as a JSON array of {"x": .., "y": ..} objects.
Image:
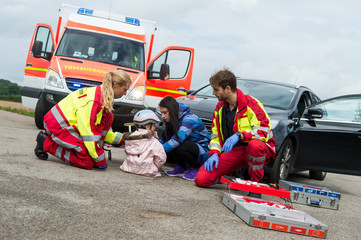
[
  {"x": 282, "y": 164},
  {"x": 318, "y": 175},
  {"x": 39, "y": 115}
]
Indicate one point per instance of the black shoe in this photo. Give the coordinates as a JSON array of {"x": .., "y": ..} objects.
[
  {"x": 255, "y": 195},
  {"x": 39, "y": 152}
]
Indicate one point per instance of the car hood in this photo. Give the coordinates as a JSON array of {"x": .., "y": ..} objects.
[
  {"x": 201, "y": 106},
  {"x": 276, "y": 113}
]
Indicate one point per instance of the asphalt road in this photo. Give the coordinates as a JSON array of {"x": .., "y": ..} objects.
[{"x": 52, "y": 200}]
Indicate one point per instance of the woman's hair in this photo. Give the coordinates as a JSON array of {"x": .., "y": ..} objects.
[
  {"x": 173, "y": 108},
  {"x": 119, "y": 77}
]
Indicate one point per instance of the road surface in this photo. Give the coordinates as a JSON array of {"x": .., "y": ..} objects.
[{"x": 52, "y": 200}]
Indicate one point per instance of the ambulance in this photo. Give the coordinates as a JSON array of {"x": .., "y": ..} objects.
[{"x": 85, "y": 46}]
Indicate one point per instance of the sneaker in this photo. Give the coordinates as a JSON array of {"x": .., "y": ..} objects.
[
  {"x": 255, "y": 195},
  {"x": 39, "y": 152},
  {"x": 191, "y": 174},
  {"x": 178, "y": 171}
]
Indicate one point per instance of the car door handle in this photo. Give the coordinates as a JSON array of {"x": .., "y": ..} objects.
[{"x": 29, "y": 64}]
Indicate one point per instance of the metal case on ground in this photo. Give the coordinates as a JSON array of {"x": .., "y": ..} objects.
[
  {"x": 312, "y": 195},
  {"x": 274, "y": 215}
]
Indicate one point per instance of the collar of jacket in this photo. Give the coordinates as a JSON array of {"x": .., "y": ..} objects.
[
  {"x": 129, "y": 136},
  {"x": 241, "y": 103}
]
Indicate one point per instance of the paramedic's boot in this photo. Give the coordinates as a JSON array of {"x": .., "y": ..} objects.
[{"x": 39, "y": 152}]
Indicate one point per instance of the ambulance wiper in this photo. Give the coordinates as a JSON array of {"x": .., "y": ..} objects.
[
  {"x": 127, "y": 70},
  {"x": 71, "y": 60}
]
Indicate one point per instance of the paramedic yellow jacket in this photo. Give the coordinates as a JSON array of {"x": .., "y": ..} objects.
[
  {"x": 251, "y": 119},
  {"x": 79, "y": 119}
]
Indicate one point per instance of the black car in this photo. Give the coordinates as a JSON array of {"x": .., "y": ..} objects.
[
  {"x": 329, "y": 136},
  {"x": 284, "y": 103}
]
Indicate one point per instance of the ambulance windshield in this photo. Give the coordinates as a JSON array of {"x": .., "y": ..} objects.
[{"x": 102, "y": 48}]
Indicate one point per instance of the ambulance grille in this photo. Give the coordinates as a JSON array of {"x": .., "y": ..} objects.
[
  {"x": 207, "y": 123},
  {"x": 76, "y": 83}
]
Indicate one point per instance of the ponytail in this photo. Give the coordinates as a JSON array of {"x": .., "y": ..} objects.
[{"x": 119, "y": 77}]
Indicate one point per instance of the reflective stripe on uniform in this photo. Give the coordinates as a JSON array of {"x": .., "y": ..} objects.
[
  {"x": 265, "y": 129},
  {"x": 59, "y": 149},
  {"x": 100, "y": 158},
  {"x": 65, "y": 144},
  {"x": 91, "y": 138},
  {"x": 214, "y": 136},
  {"x": 62, "y": 123},
  {"x": 255, "y": 167},
  {"x": 117, "y": 138},
  {"x": 67, "y": 155},
  {"x": 214, "y": 145},
  {"x": 255, "y": 134},
  {"x": 257, "y": 159}
]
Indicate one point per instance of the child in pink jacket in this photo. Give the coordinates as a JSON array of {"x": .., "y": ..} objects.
[{"x": 145, "y": 154}]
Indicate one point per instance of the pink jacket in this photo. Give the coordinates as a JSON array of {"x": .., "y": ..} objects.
[{"x": 145, "y": 154}]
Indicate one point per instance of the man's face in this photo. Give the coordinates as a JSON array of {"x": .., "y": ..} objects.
[
  {"x": 220, "y": 93},
  {"x": 120, "y": 91}
]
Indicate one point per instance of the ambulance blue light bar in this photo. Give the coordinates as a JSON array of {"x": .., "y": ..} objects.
[
  {"x": 131, "y": 20},
  {"x": 76, "y": 85},
  {"x": 85, "y": 11}
]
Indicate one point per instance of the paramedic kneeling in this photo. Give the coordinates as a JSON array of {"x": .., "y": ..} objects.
[
  {"x": 241, "y": 133},
  {"x": 77, "y": 127}
]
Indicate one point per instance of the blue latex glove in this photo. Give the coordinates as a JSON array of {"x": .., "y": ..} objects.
[
  {"x": 230, "y": 142},
  {"x": 208, "y": 165}
]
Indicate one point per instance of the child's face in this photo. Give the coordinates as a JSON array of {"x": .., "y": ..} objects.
[{"x": 150, "y": 126}]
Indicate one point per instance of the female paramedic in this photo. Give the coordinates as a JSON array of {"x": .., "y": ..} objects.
[{"x": 78, "y": 125}]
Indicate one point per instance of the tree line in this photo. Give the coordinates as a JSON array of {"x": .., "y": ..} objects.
[{"x": 10, "y": 91}]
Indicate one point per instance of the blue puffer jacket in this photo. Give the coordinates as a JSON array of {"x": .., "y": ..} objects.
[{"x": 191, "y": 128}]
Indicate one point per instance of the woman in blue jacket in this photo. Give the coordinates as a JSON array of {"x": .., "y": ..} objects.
[{"x": 185, "y": 138}]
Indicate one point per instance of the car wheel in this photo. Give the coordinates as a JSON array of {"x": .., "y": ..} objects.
[
  {"x": 39, "y": 115},
  {"x": 318, "y": 175},
  {"x": 283, "y": 161}
]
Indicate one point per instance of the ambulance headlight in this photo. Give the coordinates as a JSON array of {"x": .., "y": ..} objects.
[
  {"x": 53, "y": 79},
  {"x": 137, "y": 94}
]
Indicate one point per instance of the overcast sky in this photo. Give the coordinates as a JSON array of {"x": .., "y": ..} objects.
[{"x": 315, "y": 43}]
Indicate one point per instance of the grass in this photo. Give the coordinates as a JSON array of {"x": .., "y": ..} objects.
[{"x": 14, "y": 110}]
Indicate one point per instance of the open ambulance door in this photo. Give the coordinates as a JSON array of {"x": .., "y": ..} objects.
[
  {"x": 37, "y": 63},
  {"x": 169, "y": 74}
]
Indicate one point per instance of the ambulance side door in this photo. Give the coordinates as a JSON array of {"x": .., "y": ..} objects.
[
  {"x": 169, "y": 74},
  {"x": 37, "y": 63}
]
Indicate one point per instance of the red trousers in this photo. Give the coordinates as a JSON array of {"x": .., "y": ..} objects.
[
  {"x": 80, "y": 159},
  {"x": 254, "y": 156}
]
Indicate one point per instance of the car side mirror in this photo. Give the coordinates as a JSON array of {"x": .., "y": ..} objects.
[
  {"x": 312, "y": 113},
  {"x": 164, "y": 71},
  {"x": 36, "y": 49},
  {"x": 189, "y": 92}
]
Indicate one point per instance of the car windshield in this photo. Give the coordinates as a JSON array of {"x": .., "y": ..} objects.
[
  {"x": 270, "y": 94},
  {"x": 102, "y": 48}
]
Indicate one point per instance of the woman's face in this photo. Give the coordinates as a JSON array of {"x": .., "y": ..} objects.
[
  {"x": 120, "y": 91},
  {"x": 165, "y": 114}
]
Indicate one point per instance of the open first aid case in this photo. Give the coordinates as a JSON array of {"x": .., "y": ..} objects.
[
  {"x": 274, "y": 215},
  {"x": 312, "y": 195}
]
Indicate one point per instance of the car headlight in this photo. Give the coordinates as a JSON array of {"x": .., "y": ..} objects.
[
  {"x": 53, "y": 79},
  {"x": 274, "y": 123},
  {"x": 137, "y": 93}
]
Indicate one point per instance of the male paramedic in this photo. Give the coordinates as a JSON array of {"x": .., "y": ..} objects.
[{"x": 241, "y": 134}]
